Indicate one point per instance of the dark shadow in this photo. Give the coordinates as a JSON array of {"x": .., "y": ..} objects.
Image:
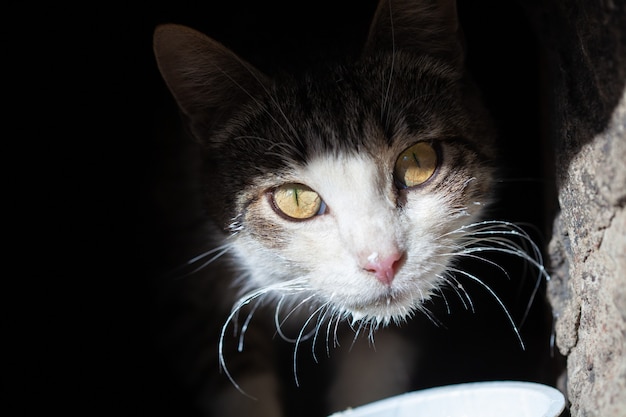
[
  {"x": 510, "y": 45},
  {"x": 583, "y": 49}
]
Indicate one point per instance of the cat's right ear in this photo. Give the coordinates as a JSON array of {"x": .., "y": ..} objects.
[
  {"x": 208, "y": 81},
  {"x": 422, "y": 26}
]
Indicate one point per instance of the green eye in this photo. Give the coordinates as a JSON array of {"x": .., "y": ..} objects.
[
  {"x": 416, "y": 165},
  {"x": 297, "y": 201}
]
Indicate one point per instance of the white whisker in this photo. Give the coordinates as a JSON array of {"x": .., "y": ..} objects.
[
  {"x": 357, "y": 332},
  {"x": 335, "y": 330},
  {"x": 456, "y": 285},
  {"x": 289, "y": 287},
  {"x": 320, "y": 320},
  {"x": 217, "y": 252},
  {"x": 443, "y": 295},
  {"x": 244, "y": 327},
  {"x": 497, "y": 236},
  {"x": 468, "y": 253},
  {"x": 222, "y": 362},
  {"x": 328, "y": 328},
  {"x": 429, "y": 315},
  {"x": 279, "y": 324},
  {"x": 299, "y": 339},
  {"x": 498, "y": 300}
]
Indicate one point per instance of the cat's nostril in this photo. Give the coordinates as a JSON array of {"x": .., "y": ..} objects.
[{"x": 384, "y": 268}]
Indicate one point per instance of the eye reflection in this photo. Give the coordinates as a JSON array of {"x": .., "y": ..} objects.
[
  {"x": 416, "y": 165},
  {"x": 297, "y": 201}
]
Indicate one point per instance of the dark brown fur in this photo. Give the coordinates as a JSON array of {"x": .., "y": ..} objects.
[{"x": 408, "y": 83}]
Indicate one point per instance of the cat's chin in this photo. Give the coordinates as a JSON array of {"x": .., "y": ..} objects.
[
  {"x": 379, "y": 318},
  {"x": 383, "y": 311}
]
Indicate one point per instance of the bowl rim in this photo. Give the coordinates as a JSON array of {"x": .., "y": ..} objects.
[{"x": 556, "y": 397}]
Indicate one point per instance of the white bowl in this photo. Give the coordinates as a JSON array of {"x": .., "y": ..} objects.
[{"x": 475, "y": 399}]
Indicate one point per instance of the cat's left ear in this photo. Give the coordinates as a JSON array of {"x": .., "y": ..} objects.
[
  {"x": 420, "y": 26},
  {"x": 208, "y": 81}
]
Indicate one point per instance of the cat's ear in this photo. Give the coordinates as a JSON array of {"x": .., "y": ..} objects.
[
  {"x": 207, "y": 80},
  {"x": 423, "y": 26}
]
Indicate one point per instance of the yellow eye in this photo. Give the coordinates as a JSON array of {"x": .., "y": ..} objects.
[
  {"x": 416, "y": 164},
  {"x": 297, "y": 201}
]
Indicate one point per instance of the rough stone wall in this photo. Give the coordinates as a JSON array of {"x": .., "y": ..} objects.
[
  {"x": 584, "y": 43},
  {"x": 588, "y": 287}
]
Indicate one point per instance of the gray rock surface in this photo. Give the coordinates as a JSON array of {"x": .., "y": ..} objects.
[
  {"x": 585, "y": 61},
  {"x": 588, "y": 287}
]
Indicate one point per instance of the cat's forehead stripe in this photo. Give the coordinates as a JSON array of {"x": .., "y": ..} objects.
[
  {"x": 342, "y": 177},
  {"x": 355, "y": 166}
]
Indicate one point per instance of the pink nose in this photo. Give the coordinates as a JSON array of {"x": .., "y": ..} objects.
[{"x": 384, "y": 268}]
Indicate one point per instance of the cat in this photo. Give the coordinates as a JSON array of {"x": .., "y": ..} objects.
[{"x": 341, "y": 200}]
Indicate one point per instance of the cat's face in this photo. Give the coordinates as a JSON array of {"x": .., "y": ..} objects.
[
  {"x": 350, "y": 185},
  {"x": 365, "y": 219}
]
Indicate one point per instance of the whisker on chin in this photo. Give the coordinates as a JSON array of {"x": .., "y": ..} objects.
[
  {"x": 357, "y": 332},
  {"x": 235, "y": 312},
  {"x": 473, "y": 242},
  {"x": 335, "y": 329},
  {"x": 278, "y": 323},
  {"x": 284, "y": 288},
  {"x": 320, "y": 321},
  {"x": 244, "y": 327},
  {"x": 301, "y": 337}
]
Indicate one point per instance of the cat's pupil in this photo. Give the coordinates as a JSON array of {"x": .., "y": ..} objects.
[
  {"x": 416, "y": 165},
  {"x": 297, "y": 201}
]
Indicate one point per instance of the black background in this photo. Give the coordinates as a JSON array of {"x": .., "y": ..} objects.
[{"x": 80, "y": 323}]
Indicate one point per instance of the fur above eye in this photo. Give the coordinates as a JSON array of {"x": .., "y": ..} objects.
[
  {"x": 297, "y": 201},
  {"x": 416, "y": 165}
]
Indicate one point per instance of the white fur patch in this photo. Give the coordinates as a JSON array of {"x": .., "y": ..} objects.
[{"x": 325, "y": 255}]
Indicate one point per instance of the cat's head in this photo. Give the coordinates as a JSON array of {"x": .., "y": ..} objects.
[{"x": 351, "y": 184}]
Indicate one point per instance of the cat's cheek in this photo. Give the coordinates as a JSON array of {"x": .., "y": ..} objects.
[
  {"x": 425, "y": 213},
  {"x": 316, "y": 247},
  {"x": 262, "y": 223}
]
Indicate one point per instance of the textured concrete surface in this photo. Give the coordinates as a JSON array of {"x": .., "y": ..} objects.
[
  {"x": 588, "y": 288},
  {"x": 584, "y": 43}
]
